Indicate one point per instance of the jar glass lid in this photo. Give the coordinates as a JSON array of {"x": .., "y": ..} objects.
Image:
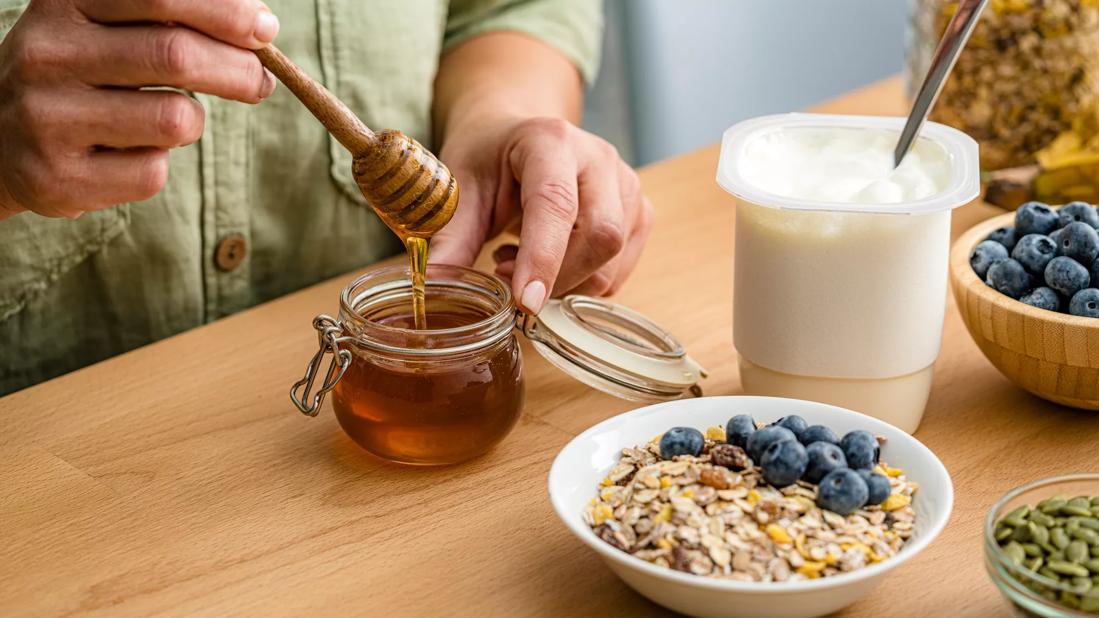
[{"x": 613, "y": 349}]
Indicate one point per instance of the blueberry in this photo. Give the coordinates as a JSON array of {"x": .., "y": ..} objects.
[
  {"x": 878, "y": 484},
  {"x": 1035, "y": 218},
  {"x": 842, "y": 491},
  {"x": 1009, "y": 277},
  {"x": 1034, "y": 251},
  {"x": 1078, "y": 211},
  {"x": 681, "y": 441},
  {"x": 823, "y": 458},
  {"x": 861, "y": 449},
  {"x": 784, "y": 462},
  {"x": 1094, "y": 271},
  {"x": 1066, "y": 275},
  {"x": 1043, "y": 298},
  {"x": 762, "y": 439},
  {"x": 986, "y": 254},
  {"x": 1057, "y": 236},
  {"x": 739, "y": 429},
  {"x": 794, "y": 423},
  {"x": 1005, "y": 236},
  {"x": 1078, "y": 241},
  {"x": 818, "y": 433},
  {"x": 1085, "y": 303}
]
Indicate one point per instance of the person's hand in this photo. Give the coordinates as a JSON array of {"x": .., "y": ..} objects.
[
  {"x": 581, "y": 217},
  {"x": 77, "y": 132}
]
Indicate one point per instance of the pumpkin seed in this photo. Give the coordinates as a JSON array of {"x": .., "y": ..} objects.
[
  {"x": 1076, "y": 509},
  {"x": 1024, "y": 533},
  {"x": 1081, "y": 585},
  {"x": 1085, "y": 534},
  {"x": 1002, "y": 532},
  {"x": 1039, "y": 534},
  {"x": 1045, "y": 571},
  {"x": 1091, "y": 523},
  {"x": 1035, "y": 563},
  {"x": 1057, "y": 555},
  {"x": 1092, "y": 565},
  {"x": 1059, "y": 538},
  {"x": 1052, "y": 505},
  {"x": 1077, "y": 551},
  {"x": 1042, "y": 519},
  {"x": 1065, "y": 568},
  {"x": 1095, "y": 500},
  {"x": 1016, "y": 553},
  {"x": 1034, "y": 551},
  {"x": 1017, "y": 517}
]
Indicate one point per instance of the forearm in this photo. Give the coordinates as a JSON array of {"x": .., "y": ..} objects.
[{"x": 504, "y": 74}]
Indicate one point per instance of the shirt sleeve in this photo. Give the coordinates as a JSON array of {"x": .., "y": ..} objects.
[
  {"x": 574, "y": 27},
  {"x": 10, "y": 10}
]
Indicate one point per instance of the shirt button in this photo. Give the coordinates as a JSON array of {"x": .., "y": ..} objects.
[{"x": 230, "y": 252}]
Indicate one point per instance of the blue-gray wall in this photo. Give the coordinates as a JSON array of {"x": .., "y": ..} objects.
[{"x": 678, "y": 72}]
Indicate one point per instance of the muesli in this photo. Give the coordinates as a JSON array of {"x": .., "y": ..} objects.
[{"x": 710, "y": 511}]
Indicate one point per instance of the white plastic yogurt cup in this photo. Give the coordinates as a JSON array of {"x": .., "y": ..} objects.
[{"x": 841, "y": 264}]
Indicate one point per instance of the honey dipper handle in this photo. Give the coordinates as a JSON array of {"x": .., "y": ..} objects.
[{"x": 340, "y": 121}]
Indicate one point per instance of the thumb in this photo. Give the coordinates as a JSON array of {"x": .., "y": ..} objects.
[{"x": 460, "y": 240}]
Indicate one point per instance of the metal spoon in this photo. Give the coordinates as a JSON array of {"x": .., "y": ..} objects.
[{"x": 950, "y": 47}]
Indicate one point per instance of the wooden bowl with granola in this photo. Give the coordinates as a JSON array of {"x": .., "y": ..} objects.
[{"x": 708, "y": 533}]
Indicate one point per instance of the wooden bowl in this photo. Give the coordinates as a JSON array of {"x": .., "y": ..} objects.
[{"x": 1053, "y": 355}]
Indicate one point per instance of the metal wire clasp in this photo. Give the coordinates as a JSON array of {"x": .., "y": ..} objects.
[{"x": 329, "y": 337}]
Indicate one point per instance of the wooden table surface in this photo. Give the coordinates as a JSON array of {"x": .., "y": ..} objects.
[{"x": 179, "y": 479}]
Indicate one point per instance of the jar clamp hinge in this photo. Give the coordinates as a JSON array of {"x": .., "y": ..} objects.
[{"x": 329, "y": 333}]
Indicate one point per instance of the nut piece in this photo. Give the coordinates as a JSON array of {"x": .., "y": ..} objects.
[
  {"x": 729, "y": 456},
  {"x": 717, "y": 478}
]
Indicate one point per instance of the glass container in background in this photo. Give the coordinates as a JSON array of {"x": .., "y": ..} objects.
[{"x": 1028, "y": 76}]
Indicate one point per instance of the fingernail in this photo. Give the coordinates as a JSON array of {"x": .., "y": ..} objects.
[
  {"x": 267, "y": 27},
  {"x": 269, "y": 83},
  {"x": 534, "y": 295}
]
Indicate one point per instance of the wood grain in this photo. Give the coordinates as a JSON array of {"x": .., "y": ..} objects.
[
  {"x": 408, "y": 186},
  {"x": 1053, "y": 355},
  {"x": 178, "y": 479}
]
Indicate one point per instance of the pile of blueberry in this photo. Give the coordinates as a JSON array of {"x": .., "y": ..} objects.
[
  {"x": 790, "y": 449},
  {"x": 1049, "y": 260}
]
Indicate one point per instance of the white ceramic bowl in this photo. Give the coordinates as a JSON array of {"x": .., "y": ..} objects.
[{"x": 587, "y": 459}]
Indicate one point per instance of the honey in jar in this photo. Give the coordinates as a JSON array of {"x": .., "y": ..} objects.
[{"x": 450, "y": 392}]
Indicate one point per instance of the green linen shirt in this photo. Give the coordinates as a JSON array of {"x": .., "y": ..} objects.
[{"x": 73, "y": 292}]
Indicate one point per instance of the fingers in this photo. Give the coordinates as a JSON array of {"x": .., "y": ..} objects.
[
  {"x": 140, "y": 56},
  {"x": 601, "y": 228},
  {"x": 460, "y": 240},
  {"x": 549, "y": 195},
  {"x": 242, "y": 23},
  {"x": 68, "y": 186},
  {"x": 129, "y": 119}
]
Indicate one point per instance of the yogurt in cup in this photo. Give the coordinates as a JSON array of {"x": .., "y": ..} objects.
[{"x": 841, "y": 261}]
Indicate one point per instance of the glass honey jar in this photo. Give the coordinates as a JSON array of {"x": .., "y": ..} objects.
[{"x": 450, "y": 392}]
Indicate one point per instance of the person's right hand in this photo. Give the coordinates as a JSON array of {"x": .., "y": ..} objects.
[{"x": 77, "y": 130}]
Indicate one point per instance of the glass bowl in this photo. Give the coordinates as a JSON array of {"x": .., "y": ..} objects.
[{"x": 1033, "y": 594}]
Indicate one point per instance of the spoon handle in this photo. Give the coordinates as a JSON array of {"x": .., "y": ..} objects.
[
  {"x": 946, "y": 54},
  {"x": 340, "y": 121}
]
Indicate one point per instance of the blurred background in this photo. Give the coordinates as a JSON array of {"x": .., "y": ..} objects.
[{"x": 677, "y": 74}]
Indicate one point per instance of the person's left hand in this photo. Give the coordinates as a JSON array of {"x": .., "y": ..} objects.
[{"x": 581, "y": 217}]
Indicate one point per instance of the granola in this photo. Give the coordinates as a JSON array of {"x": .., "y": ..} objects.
[
  {"x": 692, "y": 515},
  {"x": 1030, "y": 68}
]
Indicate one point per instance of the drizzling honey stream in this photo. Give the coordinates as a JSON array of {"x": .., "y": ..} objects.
[{"x": 410, "y": 189}]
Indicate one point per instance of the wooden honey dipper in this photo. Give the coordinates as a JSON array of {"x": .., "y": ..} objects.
[{"x": 410, "y": 189}]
